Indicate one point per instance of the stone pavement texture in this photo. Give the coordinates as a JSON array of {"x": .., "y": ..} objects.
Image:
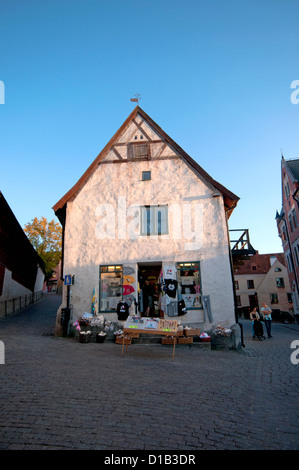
[{"x": 56, "y": 393}]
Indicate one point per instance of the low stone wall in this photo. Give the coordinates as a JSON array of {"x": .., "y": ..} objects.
[{"x": 15, "y": 304}]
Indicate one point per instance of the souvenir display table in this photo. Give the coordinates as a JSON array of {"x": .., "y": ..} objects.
[{"x": 134, "y": 326}]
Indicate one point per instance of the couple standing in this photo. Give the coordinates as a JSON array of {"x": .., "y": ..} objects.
[{"x": 266, "y": 316}]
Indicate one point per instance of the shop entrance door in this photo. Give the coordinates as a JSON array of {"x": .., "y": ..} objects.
[{"x": 149, "y": 278}]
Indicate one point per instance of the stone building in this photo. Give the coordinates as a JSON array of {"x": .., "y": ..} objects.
[
  {"x": 263, "y": 278},
  {"x": 287, "y": 224},
  {"x": 145, "y": 210}
]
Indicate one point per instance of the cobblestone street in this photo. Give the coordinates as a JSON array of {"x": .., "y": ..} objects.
[{"x": 57, "y": 393}]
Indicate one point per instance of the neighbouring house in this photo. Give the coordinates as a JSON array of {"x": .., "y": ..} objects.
[
  {"x": 144, "y": 210},
  {"x": 287, "y": 224},
  {"x": 21, "y": 269},
  {"x": 263, "y": 278},
  {"x": 55, "y": 283}
]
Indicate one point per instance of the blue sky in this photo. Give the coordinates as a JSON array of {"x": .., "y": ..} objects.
[{"x": 215, "y": 75}]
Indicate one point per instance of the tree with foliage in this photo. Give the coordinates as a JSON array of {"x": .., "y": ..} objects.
[{"x": 46, "y": 237}]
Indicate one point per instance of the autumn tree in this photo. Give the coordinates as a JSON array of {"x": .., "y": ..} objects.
[{"x": 46, "y": 237}]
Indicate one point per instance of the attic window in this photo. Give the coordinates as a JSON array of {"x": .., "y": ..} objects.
[
  {"x": 139, "y": 150},
  {"x": 146, "y": 175}
]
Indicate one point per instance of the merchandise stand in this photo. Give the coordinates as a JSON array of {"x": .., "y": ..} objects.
[
  {"x": 149, "y": 327},
  {"x": 128, "y": 334}
]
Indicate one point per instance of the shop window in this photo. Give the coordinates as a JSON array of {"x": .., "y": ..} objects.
[
  {"x": 189, "y": 284},
  {"x": 274, "y": 298},
  {"x": 154, "y": 220},
  {"x": 110, "y": 287}
]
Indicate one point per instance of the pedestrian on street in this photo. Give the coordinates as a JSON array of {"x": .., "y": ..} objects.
[
  {"x": 266, "y": 312},
  {"x": 253, "y": 315}
]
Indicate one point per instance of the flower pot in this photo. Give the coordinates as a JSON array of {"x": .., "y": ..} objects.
[
  {"x": 100, "y": 338},
  {"x": 84, "y": 337}
]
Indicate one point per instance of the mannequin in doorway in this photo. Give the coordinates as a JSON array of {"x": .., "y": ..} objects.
[{"x": 148, "y": 298}]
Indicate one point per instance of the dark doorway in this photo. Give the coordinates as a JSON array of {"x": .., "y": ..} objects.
[
  {"x": 149, "y": 281},
  {"x": 253, "y": 302}
]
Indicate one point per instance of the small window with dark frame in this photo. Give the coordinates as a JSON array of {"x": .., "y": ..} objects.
[
  {"x": 250, "y": 284},
  {"x": 146, "y": 176},
  {"x": 280, "y": 282},
  {"x": 273, "y": 298}
]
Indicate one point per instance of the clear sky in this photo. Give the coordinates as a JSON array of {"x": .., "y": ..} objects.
[{"x": 215, "y": 75}]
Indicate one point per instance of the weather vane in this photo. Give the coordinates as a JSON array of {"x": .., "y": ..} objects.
[{"x": 137, "y": 98}]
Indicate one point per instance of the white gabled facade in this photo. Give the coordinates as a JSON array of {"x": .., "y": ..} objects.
[{"x": 142, "y": 207}]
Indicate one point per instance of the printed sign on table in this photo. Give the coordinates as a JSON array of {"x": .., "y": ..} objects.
[{"x": 168, "y": 325}]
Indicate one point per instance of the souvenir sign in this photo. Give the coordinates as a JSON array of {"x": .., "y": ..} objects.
[{"x": 168, "y": 325}]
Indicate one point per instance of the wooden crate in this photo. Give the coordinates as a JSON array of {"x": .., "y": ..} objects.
[
  {"x": 185, "y": 340},
  {"x": 191, "y": 332}
]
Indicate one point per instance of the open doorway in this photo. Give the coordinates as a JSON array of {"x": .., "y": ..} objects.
[{"x": 149, "y": 288}]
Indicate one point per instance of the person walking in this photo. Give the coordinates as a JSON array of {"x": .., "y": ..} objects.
[
  {"x": 266, "y": 312},
  {"x": 253, "y": 315}
]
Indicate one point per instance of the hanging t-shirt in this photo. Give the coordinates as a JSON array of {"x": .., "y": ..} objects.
[
  {"x": 170, "y": 286},
  {"x": 181, "y": 308},
  {"x": 127, "y": 289},
  {"x": 169, "y": 271},
  {"x": 122, "y": 310}
]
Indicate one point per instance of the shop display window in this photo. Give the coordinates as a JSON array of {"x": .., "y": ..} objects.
[
  {"x": 189, "y": 284},
  {"x": 111, "y": 280}
]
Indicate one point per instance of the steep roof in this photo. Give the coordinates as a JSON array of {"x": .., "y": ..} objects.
[
  {"x": 293, "y": 166},
  {"x": 261, "y": 263},
  {"x": 230, "y": 199},
  {"x": 16, "y": 252}
]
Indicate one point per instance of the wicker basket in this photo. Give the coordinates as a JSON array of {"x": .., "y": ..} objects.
[
  {"x": 134, "y": 335},
  {"x": 119, "y": 340},
  {"x": 167, "y": 340},
  {"x": 191, "y": 332},
  {"x": 205, "y": 340},
  {"x": 185, "y": 340}
]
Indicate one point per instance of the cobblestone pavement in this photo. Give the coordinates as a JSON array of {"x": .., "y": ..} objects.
[{"x": 57, "y": 393}]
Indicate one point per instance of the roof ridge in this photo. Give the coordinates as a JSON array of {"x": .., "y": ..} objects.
[{"x": 230, "y": 198}]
